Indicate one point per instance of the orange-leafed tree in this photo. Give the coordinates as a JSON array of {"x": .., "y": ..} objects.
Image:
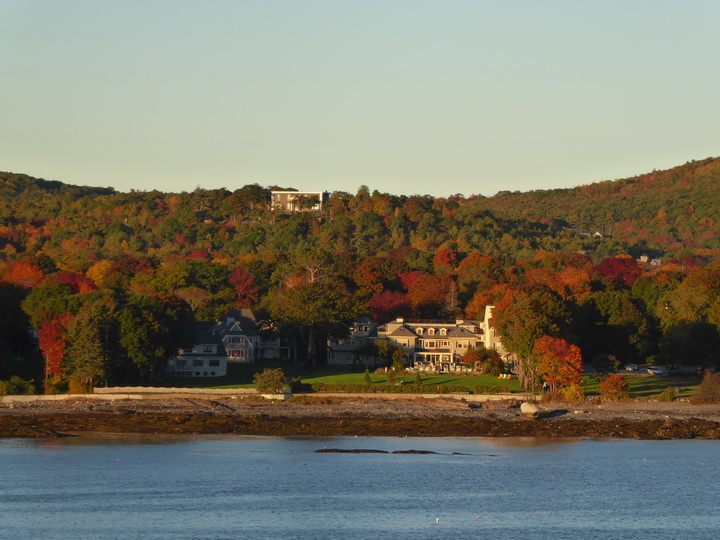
[
  {"x": 428, "y": 293},
  {"x": 24, "y": 275},
  {"x": 614, "y": 388},
  {"x": 559, "y": 362}
]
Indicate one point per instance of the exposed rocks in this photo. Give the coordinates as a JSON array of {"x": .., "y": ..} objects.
[
  {"x": 374, "y": 417},
  {"x": 529, "y": 410}
]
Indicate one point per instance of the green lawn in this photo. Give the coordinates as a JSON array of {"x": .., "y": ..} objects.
[
  {"x": 334, "y": 376},
  {"x": 241, "y": 376},
  {"x": 648, "y": 385}
]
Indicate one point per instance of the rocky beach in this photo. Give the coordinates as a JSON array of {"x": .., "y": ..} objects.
[{"x": 348, "y": 416}]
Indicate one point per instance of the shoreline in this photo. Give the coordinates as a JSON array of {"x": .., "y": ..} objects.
[{"x": 333, "y": 416}]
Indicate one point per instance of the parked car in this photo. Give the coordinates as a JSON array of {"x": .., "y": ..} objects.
[
  {"x": 631, "y": 367},
  {"x": 652, "y": 370}
]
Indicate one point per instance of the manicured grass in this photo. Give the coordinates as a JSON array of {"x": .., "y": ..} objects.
[
  {"x": 344, "y": 376},
  {"x": 648, "y": 386},
  {"x": 241, "y": 376}
]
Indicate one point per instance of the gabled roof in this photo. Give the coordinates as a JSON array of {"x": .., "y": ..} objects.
[
  {"x": 204, "y": 334},
  {"x": 461, "y": 333},
  {"x": 236, "y": 321},
  {"x": 403, "y": 331}
]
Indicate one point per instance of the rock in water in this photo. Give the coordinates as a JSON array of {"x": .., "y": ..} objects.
[{"x": 529, "y": 409}]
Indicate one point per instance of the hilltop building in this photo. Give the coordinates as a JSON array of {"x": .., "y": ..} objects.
[{"x": 298, "y": 201}]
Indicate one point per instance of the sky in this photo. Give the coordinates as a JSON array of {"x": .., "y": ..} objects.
[{"x": 403, "y": 96}]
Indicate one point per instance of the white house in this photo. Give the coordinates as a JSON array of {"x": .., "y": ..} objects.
[
  {"x": 348, "y": 351},
  {"x": 234, "y": 339},
  {"x": 298, "y": 201},
  {"x": 430, "y": 344}
]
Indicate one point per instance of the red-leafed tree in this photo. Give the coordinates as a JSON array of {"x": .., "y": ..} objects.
[
  {"x": 245, "y": 289},
  {"x": 388, "y": 305},
  {"x": 618, "y": 272},
  {"x": 444, "y": 260},
  {"x": 78, "y": 283},
  {"x": 24, "y": 275},
  {"x": 559, "y": 362},
  {"x": 51, "y": 339},
  {"x": 408, "y": 278}
]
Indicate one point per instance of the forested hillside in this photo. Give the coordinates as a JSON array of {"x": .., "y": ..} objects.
[
  {"x": 671, "y": 211},
  {"x": 112, "y": 282}
]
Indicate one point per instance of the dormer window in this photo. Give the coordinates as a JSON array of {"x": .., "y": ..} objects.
[
  {"x": 443, "y": 331},
  {"x": 431, "y": 332},
  {"x": 420, "y": 331}
]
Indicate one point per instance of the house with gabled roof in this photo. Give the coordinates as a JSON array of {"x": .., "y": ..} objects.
[
  {"x": 233, "y": 339},
  {"x": 430, "y": 344},
  {"x": 348, "y": 351}
]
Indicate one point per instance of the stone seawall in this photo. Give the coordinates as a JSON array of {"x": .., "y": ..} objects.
[{"x": 143, "y": 393}]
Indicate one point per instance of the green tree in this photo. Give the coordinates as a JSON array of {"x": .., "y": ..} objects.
[
  {"x": 315, "y": 309},
  {"x": 92, "y": 350},
  {"x": 271, "y": 381}
]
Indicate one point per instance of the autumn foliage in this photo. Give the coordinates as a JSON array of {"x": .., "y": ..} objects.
[
  {"x": 559, "y": 362},
  {"x": 614, "y": 388}
]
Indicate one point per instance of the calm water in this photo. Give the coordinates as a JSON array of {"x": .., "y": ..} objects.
[{"x": 106, "y": 487}]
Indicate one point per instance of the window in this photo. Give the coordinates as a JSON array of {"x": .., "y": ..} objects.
[
  {"x": 431, "y": 332},
  {"x": 197, "y": 363},
  {"x": 236, "y": 340},
  {"x": 181, "y": 363},
  {"x": 212, "y": 373},
  {"x": 214, "y": 363},
  {"x": 420, "y": 331},
  {"x": 443, "y": 331},
  {"x": 207, "y": 348}
]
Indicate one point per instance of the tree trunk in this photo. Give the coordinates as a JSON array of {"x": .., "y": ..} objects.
[{"x": 312, "y": 348}]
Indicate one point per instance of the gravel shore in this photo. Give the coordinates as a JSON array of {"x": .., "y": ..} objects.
[{"x": 326, "y": 416}]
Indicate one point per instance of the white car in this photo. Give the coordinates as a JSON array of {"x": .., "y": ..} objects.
[
  {"x": 652, "y": 370},
  {"x": 631, "y": 367}
]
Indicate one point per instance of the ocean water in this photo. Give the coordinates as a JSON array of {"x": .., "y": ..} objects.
[{"x": 212, "y": 487}]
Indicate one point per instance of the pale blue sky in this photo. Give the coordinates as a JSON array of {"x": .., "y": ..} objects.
[{"x": 436, "y": 97}]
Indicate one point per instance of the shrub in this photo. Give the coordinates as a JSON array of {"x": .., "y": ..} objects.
[
  {"x": 78, "y": 387},
  {"x": 709, "y": 389},
  {"x": 482, "y": 389},
  {"x": 389, "y": 389},
  {"x": 668, "y": 394},
  {"x": 54, "y": 385},
  {"x": 271, "y": 381},
  {"x": 418, "y": 379},
  {"x": 614, "y": 388},
  {"x": 574, "y": 392},
  {"x": 493, "y": 366},
  {"x": 366, "y": 378},
  {"x": 15, "y": 386}
]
